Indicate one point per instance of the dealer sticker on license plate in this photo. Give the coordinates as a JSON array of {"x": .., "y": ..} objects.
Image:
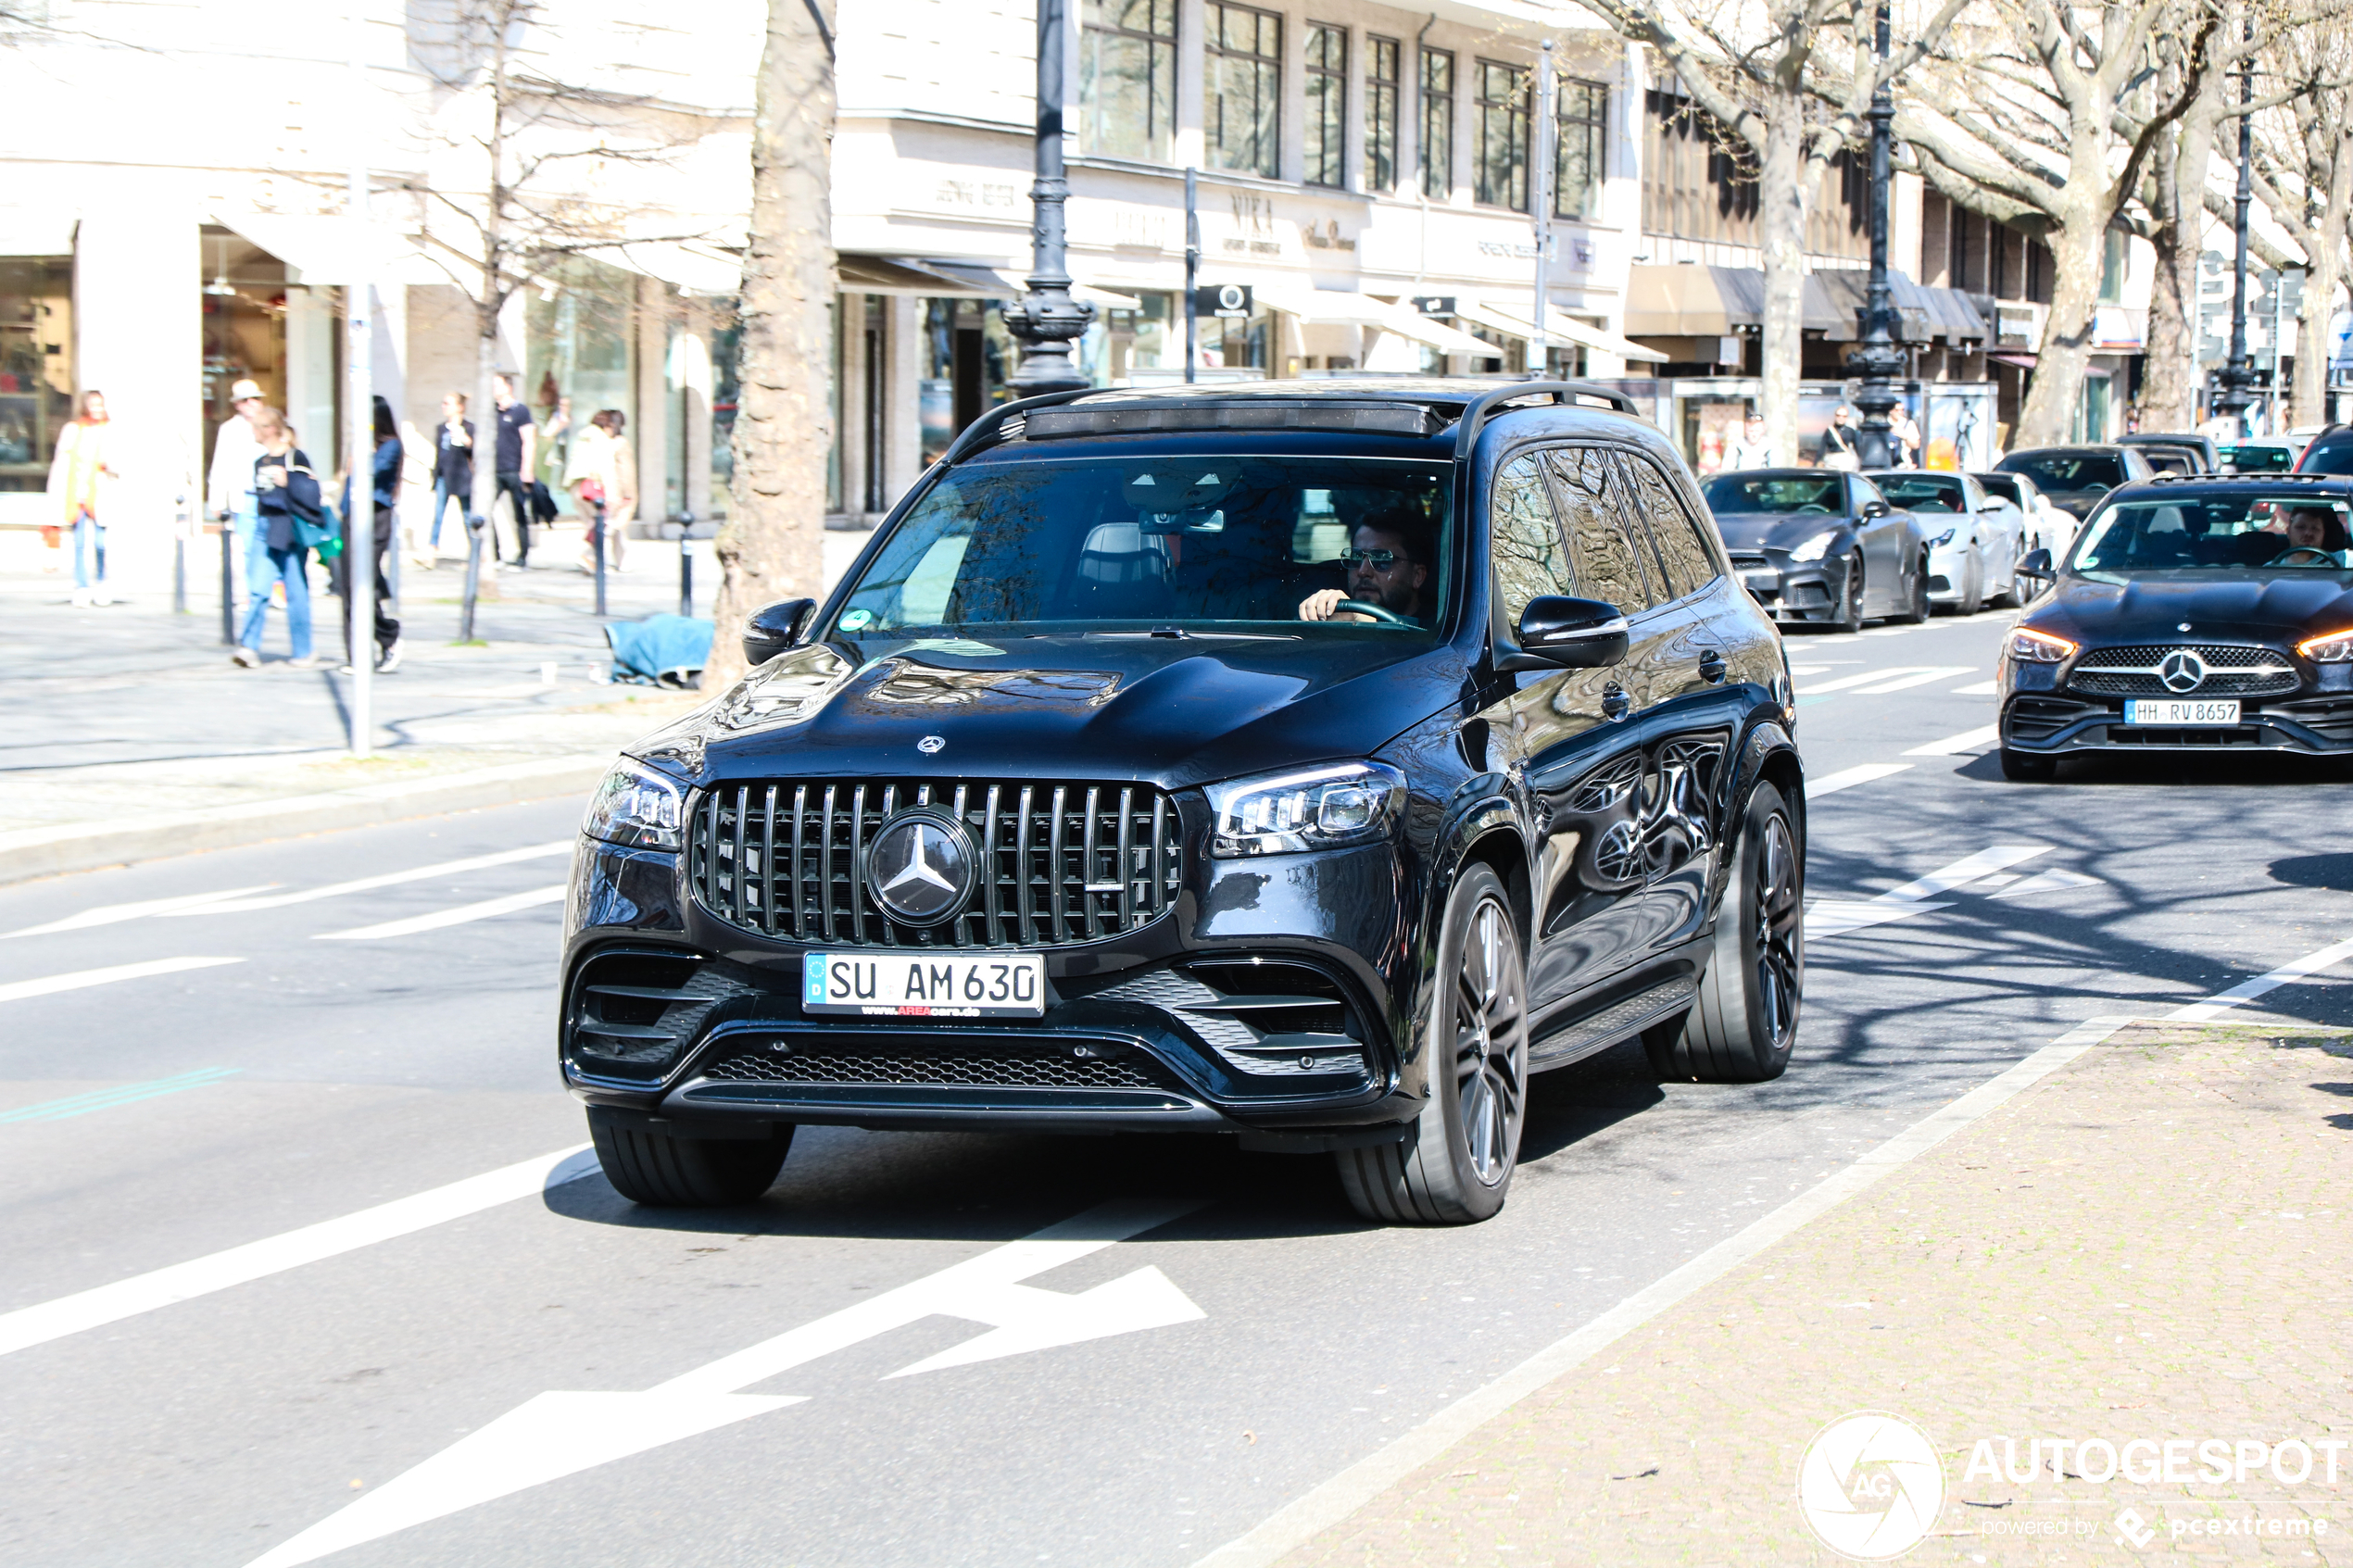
[
  {"x": 2171, "y": 711},
  {"x": 905, "y": 984}
]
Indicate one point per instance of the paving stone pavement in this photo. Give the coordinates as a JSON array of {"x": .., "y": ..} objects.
[{"x": 2151, "y": 1243}]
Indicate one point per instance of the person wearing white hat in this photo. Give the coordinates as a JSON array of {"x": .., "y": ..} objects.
[{"x": 229, "y": 495}]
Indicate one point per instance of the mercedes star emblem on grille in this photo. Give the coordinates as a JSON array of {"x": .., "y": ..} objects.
[
  {"x": 2181, "y": 670},
  {"x": 930, "y": 746},
  {"x": 920, "y": 867}
]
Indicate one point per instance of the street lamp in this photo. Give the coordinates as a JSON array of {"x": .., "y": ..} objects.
[
  {"x": 1877, "y": 360},
  {"x": 2232, "y": 395},
  {"x": 1045, "y": 318}
]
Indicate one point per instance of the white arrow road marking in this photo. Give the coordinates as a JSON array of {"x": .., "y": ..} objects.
[
  {"x": 109, "y": 914},
  {"x": 1952, "y": 745},
  {"x": 555, "y": 1434},
  {"x": 388, "y": 878},
  {"x": 17, "y": 990},
  {"x": 2247, "y": 990},
  {"x": 459, "y": 915},
  {"x": 1837, "y": 917},
  {"x": 1847, "y": 778}
]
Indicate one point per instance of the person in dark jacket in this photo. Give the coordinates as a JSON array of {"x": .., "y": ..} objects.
[
  {"x": 385, "y": 480},
  {"x": 285, "y": 492},
  {"x": 453, "y": 463}
]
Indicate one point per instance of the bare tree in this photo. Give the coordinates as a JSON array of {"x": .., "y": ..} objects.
[
  {"x": 770, "y": 547},
  {"x": 2304, "y": 178},
  {"x": 1790, "y": 82},
  {"x": 2171, "y": 217}
]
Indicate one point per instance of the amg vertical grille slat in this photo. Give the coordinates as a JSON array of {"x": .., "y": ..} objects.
[{"x": 1084, "y": 861}]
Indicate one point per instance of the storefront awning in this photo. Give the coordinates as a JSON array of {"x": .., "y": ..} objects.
[
  {"x": 337, "y": 250},
  {"x": 1847, "y": 291},
  {"x": 1345, "y": 308},
  {"x": 2115, "y": 329},
  {"x": 2022, "y": 361},
  {"x": 957, "y": 280},
  {"x": 688, "y": 266},
  {"x": 1513, "y": 317},
  {"x": 36, "y": 231}
]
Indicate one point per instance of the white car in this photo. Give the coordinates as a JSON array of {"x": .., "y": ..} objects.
[
  {"x": 2049, "y": 526},
  {"x": 1974, "y": 541}
]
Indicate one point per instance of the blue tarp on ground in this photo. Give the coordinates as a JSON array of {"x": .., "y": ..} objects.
[{"x": 662, "y": 650}]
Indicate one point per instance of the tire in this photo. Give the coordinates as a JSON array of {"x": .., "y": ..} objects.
[
  {"x": 2024, "y": 766},
  {"x": 1454, "y": 1167},
  {"x": 664, "y": 1173},
  {"x": 1849, "y": 615},
  {"x": 1972, "y": 587},
  {"x": 1744, "y": 1022},
  {"x": 1917, "y": 611},
  {"x": 2020, "y": 589}
]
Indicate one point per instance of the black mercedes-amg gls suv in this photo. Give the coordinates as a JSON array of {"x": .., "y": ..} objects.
[{"x": 1309, "y": 763}]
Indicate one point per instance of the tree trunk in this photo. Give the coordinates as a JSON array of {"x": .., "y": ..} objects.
[
  {"x": 2169, "y": 383},
  {"x": 2324, "y": 248},
  {"x": 1780, "y": 232},
  {"x": 772, "y": 546},
  {"x": 2056, "y": 389}
]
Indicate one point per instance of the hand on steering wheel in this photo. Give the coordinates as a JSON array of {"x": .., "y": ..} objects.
[
  {"x": 1331, "y": 603},
  {"x": 2287, "y": 557}
]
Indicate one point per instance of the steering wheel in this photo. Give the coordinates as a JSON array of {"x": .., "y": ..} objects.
[
  {"x": 1812, "y": 507},
  {"x": 1379, "y": 612},
  {"x": 2287, "y": 557}
]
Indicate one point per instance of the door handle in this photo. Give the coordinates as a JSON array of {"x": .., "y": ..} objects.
[
  {"x": 1712, "y": 668},
  {"x": 1614, "y": 702}
]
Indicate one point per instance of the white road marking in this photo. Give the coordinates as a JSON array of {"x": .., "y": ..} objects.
[
  {"x": 111, "y": 914},
  {"x": 1332, "y": 1502},
  {"x": 104, "y": 1304},
  {"x": 1981, "y": 689},
  {"x": 2052, "y": 881},
  {"x": 1847, "y": 778},
  {"x": 17, "y": 990},
  {"x": 2247, "y": 990},
  {"x": 1905, "y": 682},
  {"x": 1952, "y": 745},
  {"x": 559, "y": 1434},
  {"x": 458, "y": 915},
  {"x": 1865, "y": 677},
  {"x": 389, "y": 879},
  {"x": 1836, "y": 917}
]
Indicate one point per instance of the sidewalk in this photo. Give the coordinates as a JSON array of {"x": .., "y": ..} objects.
[
  {"x": 131, "y": 734},
  {"x": 2148, "y": 1244}
]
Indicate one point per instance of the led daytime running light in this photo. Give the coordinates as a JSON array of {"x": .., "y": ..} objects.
[
  {"x": 2335, "y": 647},
  {"x": 2038, "y": 648}
]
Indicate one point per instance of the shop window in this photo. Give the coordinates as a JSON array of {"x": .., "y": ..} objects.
[
  {"x": 1501, "y": 177},
  {"x": 1580, "y": 122},
  {"x": 1327, "y": 125},
  {"x": 2112, "y": 268},
  {"x": 1437, "y": 124},
  {"x": 1128, "y": 78},
  {"x": 1242, "y": 66},
  {"x": 1122, "y": 342},
  {"x": 36, "y": 366},
  {"x": 580, "y": 355},
  {"x": 966, "y": 353},
  {"x": 1380, "y": 114}
]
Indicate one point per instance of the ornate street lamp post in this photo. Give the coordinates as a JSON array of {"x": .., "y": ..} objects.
[
  {"x": 1877, "y": 361},
  {"x": 2232, "y": 392},
  {"x": 1045, "y": 318}
]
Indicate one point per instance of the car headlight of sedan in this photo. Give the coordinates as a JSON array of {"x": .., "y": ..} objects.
[
  {"x": 1941, "y": 540},
  {"x": 638, "y": 808},
  {"x": 2031, "y": 647},
  {"x": 1814, "y": 549},
  {"x": 2334, "y": 648},
  {"x": 1314, "y": 809}
]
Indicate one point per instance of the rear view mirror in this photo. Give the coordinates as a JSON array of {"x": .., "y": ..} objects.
[
  {"x": 2037, "y": 565},
  {"x": 1875, "y": 509},
  {"x": 770, "y": 631},
  {"x": 1571, "y": 634}
]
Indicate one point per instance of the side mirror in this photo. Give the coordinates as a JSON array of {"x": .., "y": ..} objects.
[
  {"x": 1570, "y": 634},
  {"x": 2037, "y": 564},
  {"x": 1875, "y": 509},
  {"x": 770, "y": 631}
]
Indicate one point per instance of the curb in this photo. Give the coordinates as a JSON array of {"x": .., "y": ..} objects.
[{"x": 32, "y": 853}]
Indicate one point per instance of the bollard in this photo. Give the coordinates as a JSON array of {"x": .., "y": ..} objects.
[
  {"x": 180, "y": 554},
  {"x": 685, "y": 563},
  {"x": 599, "y": 537},
  {"x": 474, "y": 578},
  {"x": 228, "y": 588}
]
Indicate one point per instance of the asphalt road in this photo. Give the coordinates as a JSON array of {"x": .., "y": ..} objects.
[{"x": 378, "y": 1378}]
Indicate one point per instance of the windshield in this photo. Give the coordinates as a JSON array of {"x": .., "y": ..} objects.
[
  {"x": 2239, "y": 533},
  {"x": 2334, "y": 458},
  {"x": 2069, "y": 470},
  {"x": 1267, "y": 543},
  {"x": 2170, "y": 459},
  {"x": 1740, "y": 492},
  {"x": 1923, "y": 492}
]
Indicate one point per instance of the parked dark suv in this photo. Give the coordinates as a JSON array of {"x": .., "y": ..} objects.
[{"x": 1306, "y": 762}]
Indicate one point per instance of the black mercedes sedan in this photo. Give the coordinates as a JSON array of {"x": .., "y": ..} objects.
[
  {"x": 2208, "y": 614},
  {"x": 1816, "y": 545},
  {"x": 2076, "y": 477},
  {"x": 1306, "y": 763}
]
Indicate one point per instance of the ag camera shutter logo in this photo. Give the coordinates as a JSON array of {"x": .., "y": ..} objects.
[{"x": 1871, "y": 1485}]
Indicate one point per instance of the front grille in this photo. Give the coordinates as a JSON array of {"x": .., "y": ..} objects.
[
  {"x": 1059, "y": 863},
  {"x": 2330, "y": 719},
  {"x": 2231, "y": 671},
  {"x": 954, "y": 1069},
  {"x": 2141, "y": 735}
]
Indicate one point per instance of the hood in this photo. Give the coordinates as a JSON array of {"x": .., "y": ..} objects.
[
  {"x": 1774, "y": 531},
  {"x": 1176, "y": 711},
  {"x": 2076, "y": 503},
  {"x": 2224, "y": 606}
]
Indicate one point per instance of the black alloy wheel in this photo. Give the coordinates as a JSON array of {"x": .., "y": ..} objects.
[
  {"x": 1454, "y": 1166},
  {"x": 1744, "y": 1022},
  {"x": 1849, "y": 617}
]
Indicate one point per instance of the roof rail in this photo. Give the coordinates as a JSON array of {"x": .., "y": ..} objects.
[
  {"x": 1484, "y": 406},
  {"x": 970, "y": 439}
]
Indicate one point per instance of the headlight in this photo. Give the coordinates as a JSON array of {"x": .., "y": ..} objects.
[
  {"x": 2334, "y": 648},
  {"x": 1941, "y": 540},
  {"x": 1317, "y": 808},
  {"x": 636, "y": 807},
  {"x": 1812, "y": 549},
  {"x": 2038, "y": 648}
]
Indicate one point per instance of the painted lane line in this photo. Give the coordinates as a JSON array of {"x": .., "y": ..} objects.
[
  {"x": 459, "y": 915},
  {"x": 17, "y": 990},
  {"x": 559, "y": 1434},
  {"x": 111, "y": 914},
  {"x": 1837, "y": 917},
  {"x": 1343, "y": 1494},
  {"x": 1952, "y": 745},
  {"x": 2052, "y": 881},
  {"x": 1865, "y": 677},
  {"x": 2247, "y": 990},
  {"x": 1905, "y": 682},
  {"x": 1980, "y": 688},
  {"x": 167, "y": 1286},
  {"x": 1847, "y": 778},
  {"x": 389, "y": 879},
  {"x": 126, "y": 1093}
]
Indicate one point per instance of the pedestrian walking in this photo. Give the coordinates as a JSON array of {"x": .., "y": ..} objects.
[
  {"x": 1904, "y": 432},
  {"x": 289, "y": 520},
  {"x": 228, "y": 483},
  {"x": 384, "y": 486},
  {"x": 1751, "y": 450},
  {"x": 453, "y": 467},
  {"x": 1838, "y": 442},
  {"x": 602, "y": 475},
  {"x": 517, "y": 454},
  {"x": 79, "y": 477}
]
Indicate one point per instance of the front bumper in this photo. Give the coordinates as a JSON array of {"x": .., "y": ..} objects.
[
  {"x": 1947, "y": 570},
  {"x": 1790, "y": 590},
  {"x": 2062, "y": 723}
]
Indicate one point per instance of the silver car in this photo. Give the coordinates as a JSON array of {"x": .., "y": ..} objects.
[{"x": 1974, "y": 541}]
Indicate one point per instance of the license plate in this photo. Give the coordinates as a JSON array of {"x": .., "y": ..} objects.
[
  {"x": 904, "y": 985},
  {"x": 2170, "y": 712}
]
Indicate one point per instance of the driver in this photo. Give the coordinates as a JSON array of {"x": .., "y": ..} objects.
[
  {"x": 2314, "y": 528},
  {"x": 1387, "y": 565}
]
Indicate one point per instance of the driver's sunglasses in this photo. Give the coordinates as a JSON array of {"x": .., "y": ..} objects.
[{"x": 1381, "y": 559}]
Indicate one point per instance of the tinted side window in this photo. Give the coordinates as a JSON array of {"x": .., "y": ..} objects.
[
  {"x": 1527, "y": 549},
  {"x": 1652, "y": 498},
  {"x": 1608, "y": 566},
  {"x": 1865, "y": 491}
]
